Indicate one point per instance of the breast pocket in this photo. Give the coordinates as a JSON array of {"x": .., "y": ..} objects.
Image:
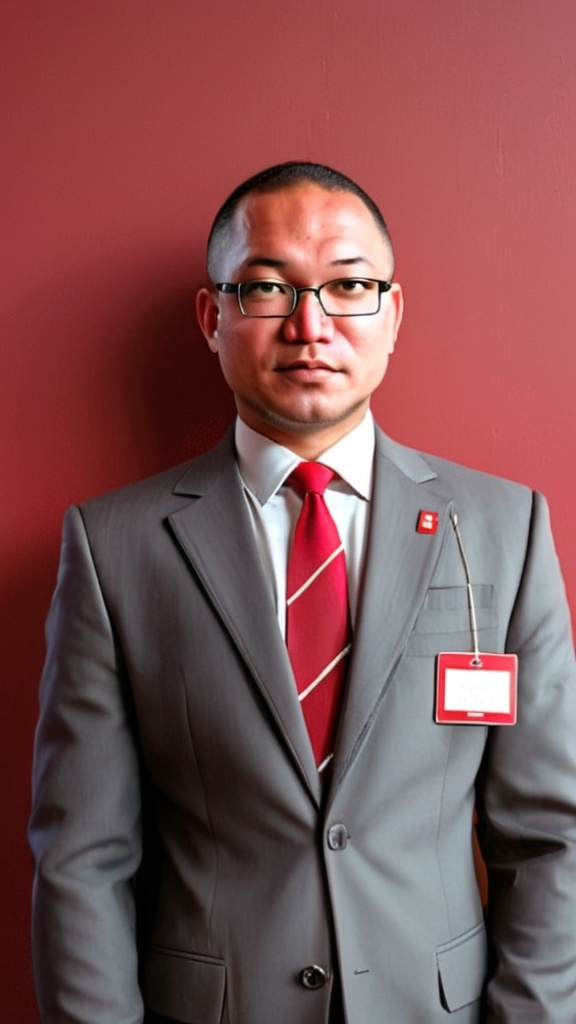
[{"x": 444, "y": 622}]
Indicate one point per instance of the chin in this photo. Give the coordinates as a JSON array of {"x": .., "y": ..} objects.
[{"x": 308, "y": 421}]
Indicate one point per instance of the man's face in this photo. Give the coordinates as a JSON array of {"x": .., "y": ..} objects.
[{"x": 305, "y": 380}]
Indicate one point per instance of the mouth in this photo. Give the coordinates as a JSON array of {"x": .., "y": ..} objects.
[{"x": 311, "y": 370}]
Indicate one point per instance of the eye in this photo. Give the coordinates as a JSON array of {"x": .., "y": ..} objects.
[
  {"x": 353, "y": 285},
  {"x": 263, "y": 289},
  {"x": 350, "y": 289}
]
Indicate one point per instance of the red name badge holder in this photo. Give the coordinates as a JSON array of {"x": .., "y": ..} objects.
[
  {"x": 473, "y": 688},
  {"x": 476, "y": 689}
]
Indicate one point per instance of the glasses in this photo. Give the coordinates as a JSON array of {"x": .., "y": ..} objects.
[{"x": 346, "y": 296}]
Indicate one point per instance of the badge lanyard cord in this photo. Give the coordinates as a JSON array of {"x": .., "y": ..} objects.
[{"x": 476, "y": 660}]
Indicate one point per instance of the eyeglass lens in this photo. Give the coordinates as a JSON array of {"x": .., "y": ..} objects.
[{"x": 341, "y": 297}]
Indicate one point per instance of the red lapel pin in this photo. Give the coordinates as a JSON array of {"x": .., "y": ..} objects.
[{"x": 427, "y": 521}]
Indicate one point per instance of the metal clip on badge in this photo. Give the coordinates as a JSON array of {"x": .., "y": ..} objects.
[{"x": 476, "y": 661}]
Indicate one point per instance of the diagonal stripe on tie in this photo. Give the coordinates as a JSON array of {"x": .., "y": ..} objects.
[{"x": 318, "y": 631}]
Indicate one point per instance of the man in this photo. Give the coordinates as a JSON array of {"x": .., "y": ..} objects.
[{"x": 198, "y": 858}]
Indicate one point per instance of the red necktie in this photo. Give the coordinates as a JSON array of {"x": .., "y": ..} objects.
[{"x": 318, "y": 633}]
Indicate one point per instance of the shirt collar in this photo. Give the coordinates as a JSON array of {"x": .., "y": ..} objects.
[{"x": 264, "y": 465}]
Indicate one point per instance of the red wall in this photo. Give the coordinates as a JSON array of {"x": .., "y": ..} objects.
[{"x": 125, "y": 122}]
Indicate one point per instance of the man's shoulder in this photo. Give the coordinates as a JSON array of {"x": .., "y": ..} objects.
[{"x": 422, "y": 467}]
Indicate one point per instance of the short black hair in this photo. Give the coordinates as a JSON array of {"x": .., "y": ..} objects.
[{"x": 278, "y": 177}]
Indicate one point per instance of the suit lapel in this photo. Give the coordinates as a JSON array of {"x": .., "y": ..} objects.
[
  {"x": 216, "y": 536},
  {"x": 398, "y": 569}
]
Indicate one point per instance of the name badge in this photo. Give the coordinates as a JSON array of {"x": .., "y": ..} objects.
[{"x": 476, "y": 689}]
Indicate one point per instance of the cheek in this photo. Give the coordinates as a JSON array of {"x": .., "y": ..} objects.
[
  {"x": 241, "y": 355},
  {"x": 378, "y": 367},
  {"x": 230, "y": 364},
  {"x": 383, "y": 341},
  {"x": 372, "y": 354}
]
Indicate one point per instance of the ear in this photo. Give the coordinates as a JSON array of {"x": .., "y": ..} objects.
[
  {"x": 397, "y": 311},
  {"x": 207, "y": 313}
]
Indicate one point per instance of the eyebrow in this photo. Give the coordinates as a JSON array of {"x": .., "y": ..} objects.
[
  {"x": 269, "y": 261},
  {"x": 265, "y": 261}
]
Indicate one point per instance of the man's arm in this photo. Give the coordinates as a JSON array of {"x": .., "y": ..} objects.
[
  {"x": 527, "y": 806},
  {"x": 85, "y": 823}
]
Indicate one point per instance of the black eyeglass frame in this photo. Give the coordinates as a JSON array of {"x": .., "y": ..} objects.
[{"x": 234, "y": 289}]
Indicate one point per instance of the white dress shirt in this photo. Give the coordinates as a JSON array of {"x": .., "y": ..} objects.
[{"x": 265, "y": 465}]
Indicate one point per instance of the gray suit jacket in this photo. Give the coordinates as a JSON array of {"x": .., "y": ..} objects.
[{"x": 169, "y": 712}]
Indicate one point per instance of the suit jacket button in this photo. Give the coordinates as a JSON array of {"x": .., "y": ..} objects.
[
  {"x": 338, "y": 837},
  {"x": 314, "y": 976}
]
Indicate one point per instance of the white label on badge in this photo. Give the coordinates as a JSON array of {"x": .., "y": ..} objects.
[{"x": 477, "y": 691}]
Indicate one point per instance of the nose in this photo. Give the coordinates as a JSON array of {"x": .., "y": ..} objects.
[{"x": 308, "y": 323}]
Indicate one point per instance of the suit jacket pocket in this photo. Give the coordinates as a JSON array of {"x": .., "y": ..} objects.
[
  {"x": 443, "y": 623},
  {"x": 462, "y": 968},
  {"x": 182, "y": 985}
]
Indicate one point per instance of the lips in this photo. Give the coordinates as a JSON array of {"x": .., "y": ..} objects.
[
  {"x": 305, "y": 373},
  {"x": 302, "y": 364}
]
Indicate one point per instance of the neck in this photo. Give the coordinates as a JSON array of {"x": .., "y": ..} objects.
[{"x": 308, "y": 441}]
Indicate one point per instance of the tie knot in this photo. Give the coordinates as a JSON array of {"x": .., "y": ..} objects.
[{"x": 310, "y": 477}]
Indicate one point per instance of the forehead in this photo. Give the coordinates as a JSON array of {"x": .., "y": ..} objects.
[{"x": 304, "y": 225}]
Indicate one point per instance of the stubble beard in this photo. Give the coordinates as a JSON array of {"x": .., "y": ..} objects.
[{"x": 309, "y": 425}]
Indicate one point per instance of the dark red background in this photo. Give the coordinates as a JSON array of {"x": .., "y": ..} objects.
[{"x": 125, "y": 122}]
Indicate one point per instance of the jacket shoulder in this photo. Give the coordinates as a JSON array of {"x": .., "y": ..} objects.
[{"x": 446, "y": 475}]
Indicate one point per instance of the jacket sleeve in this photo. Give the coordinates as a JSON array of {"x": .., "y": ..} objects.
[
  {"x": 527, "y": 806},
  {"x": 85, "y": 824}
]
